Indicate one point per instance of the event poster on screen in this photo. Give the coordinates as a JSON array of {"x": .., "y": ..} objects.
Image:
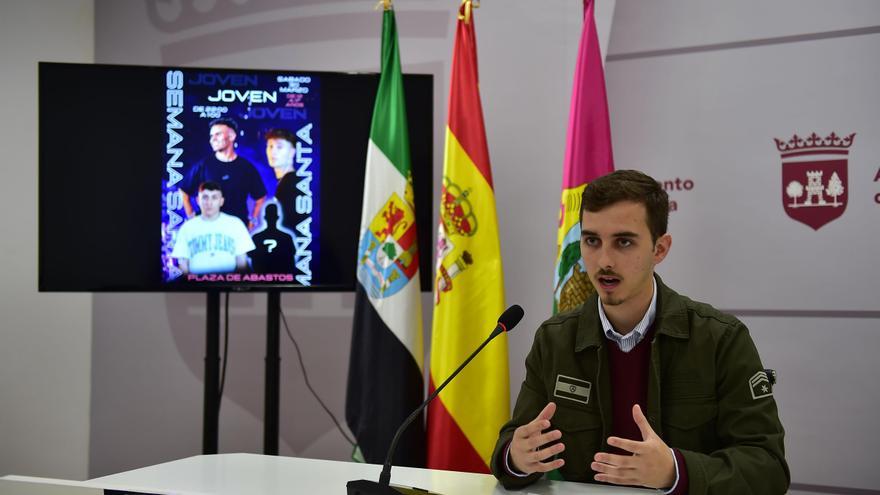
[{"x": 241, "y": 176}]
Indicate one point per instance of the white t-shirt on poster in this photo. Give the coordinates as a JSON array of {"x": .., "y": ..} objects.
[{"x": 212, "y": 246}]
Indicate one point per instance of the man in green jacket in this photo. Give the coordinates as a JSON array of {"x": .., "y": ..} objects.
[{"x": 642, "y": 386}]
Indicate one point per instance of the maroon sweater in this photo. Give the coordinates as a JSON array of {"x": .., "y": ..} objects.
[{"x": 629, "y": 386}]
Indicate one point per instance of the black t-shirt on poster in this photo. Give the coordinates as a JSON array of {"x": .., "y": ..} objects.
[
  {"x": 238, "y": 179},
  {"x": 286, "y": 193}
]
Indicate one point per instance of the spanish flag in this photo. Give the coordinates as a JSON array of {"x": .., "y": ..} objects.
[
  {"x": 463, "y": 422},
  {"x": 385, "y": 377},
  {"x": 587, "y": 157}
]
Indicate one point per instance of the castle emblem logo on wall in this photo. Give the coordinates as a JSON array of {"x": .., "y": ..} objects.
[{"x": 814, "y": 177}]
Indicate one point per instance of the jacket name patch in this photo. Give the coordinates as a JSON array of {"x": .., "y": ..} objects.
[{"x": 572, "y": 389}]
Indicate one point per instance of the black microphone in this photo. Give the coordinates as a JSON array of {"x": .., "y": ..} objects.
[{"x": 506, "y": 322}]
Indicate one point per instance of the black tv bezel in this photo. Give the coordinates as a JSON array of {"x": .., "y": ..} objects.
[{"x": 51, "y": 135}]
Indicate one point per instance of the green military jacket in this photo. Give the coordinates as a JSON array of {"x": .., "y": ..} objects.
[{"x": 707, "y": 397}]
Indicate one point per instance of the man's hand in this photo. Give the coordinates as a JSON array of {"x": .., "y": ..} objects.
[
  {"x": 525, "y": 452},
  {"x": 652, "y": 463}
]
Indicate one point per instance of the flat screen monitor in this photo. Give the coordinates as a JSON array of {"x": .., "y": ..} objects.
[{"x": 194, "y": 179}]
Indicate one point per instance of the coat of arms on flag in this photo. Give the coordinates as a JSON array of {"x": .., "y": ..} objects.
[
  {"x": 814, "y": 177},
  {"x": 387, "y": 255},
  {"x": 457, "y": 218},
  {"x": 571, "y": 285}
]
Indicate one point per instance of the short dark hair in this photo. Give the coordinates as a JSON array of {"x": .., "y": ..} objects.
[
  {"x": 629, "y": 185},
  {"x": 210, "y": 185},
  {"x": 279, "y": 133},
  {"x": 225, "y": 121}
]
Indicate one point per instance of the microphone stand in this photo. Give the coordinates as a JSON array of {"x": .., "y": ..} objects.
[{"x": 384, "y": 487}]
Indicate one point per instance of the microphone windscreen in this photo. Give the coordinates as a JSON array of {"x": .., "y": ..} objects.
[{"x": 510, "y": 317}]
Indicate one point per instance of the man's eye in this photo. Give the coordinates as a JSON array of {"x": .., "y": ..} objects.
[
  {"x": 624, "y": 242},
  {"x": 591, "y": 241}
]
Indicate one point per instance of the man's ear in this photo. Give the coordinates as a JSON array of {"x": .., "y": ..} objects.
[{"x": 662, "y": 247}]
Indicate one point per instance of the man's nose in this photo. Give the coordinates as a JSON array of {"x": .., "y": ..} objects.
[{"x": 605, "y": 259}]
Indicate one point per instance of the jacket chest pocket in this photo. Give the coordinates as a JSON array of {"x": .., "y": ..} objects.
[
  {"x": 582, "y": 435},
  {"x": 690, "y": 424}
]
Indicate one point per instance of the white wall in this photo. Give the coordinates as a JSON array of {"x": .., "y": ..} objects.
[{"x": 45, "y": 339}]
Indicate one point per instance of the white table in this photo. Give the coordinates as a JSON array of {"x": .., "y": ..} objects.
[{"x": 246, "y": 474}]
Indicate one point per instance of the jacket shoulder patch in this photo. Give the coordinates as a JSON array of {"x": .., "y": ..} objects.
[{"x": 759, "y": 385}]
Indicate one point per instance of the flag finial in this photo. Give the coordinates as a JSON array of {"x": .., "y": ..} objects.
[
  {"x": 464, "y": 12},
  {"x": 385, "y": 4}
]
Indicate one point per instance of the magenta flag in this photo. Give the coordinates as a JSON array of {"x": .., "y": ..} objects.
[{"x": 587, "y": 156}]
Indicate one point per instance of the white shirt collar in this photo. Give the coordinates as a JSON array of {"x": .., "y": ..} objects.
[{"x": 627, "y": 342}]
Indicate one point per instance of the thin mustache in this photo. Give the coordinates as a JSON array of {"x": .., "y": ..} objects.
[{"x": 607, "y": 273}]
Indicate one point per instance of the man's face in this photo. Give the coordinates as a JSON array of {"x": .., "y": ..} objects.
[
  {"x": 222, "y": 137},
  {"x": 210, "y": 202},
  {"x": 279, "y": 153},
  {"x": 619, "y": 254}
]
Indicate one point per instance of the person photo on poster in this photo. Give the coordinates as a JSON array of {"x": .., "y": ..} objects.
[
  {"x": 238, "y": 177},
  {"x": 213, "y": 241}
]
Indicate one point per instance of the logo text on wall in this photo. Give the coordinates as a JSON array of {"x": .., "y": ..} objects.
[
  {"x": 672, "y": 186},
  {"x": 814, "y": 177}
]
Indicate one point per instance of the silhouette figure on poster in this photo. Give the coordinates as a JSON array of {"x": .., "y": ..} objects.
[{"x": 274, "y": 247}]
